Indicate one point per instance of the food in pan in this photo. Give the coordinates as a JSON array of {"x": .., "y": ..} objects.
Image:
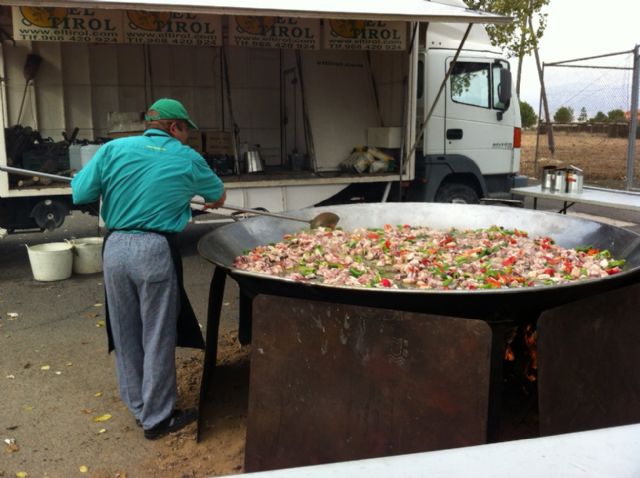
[{"x": 418, "y": 257}]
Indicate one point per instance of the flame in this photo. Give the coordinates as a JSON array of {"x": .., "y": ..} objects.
[
  {"x": 509, "y": 354},
  {"x": 526, "y": 356}
]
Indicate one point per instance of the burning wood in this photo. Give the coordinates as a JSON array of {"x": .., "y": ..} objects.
[
  {"x": 509, "y": 354},
  {"x": 521, "y": 349}
]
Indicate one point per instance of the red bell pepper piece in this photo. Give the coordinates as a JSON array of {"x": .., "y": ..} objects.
[{"x": 509, "y": 261}]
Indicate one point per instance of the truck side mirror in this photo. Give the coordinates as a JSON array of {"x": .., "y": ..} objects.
[{"x": 504, "y": 88}]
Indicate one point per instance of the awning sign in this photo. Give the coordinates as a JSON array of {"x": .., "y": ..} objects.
[
  {"x": 170, "y": 28},
  {"x": 364, "y": 35},
  {"x": 67, "y": 24},
  {"x": 188, "y": 29},
  {"x": 274, "y": 32}
]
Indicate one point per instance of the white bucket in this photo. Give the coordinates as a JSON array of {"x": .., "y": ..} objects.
[
  {"x": 52, "y": 261},
  {"x": 87, "y": 255}
]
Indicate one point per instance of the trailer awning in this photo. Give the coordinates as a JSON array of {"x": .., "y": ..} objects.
[{"x": 388, "y": 10}]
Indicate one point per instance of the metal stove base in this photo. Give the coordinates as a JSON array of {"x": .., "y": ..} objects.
[
  {"x": 589, "y": 356},
  {"x": 332, "y": 382}
]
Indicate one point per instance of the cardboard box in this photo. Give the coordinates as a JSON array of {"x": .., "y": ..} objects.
[
  {"x": 123, "y": 122},
  {"x": 390, "y": 137},
  {"x": 196, "y": 141},
  {"x": 218, "y": 142}
]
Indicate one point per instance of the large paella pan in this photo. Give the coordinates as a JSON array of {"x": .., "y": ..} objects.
[{"x": 224, "y": 244}]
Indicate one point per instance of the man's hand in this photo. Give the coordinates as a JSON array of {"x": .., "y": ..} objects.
[{"x": 218, "y": 203}]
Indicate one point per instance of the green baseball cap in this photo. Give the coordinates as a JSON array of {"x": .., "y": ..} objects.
[{"x": 168, "y": 109}]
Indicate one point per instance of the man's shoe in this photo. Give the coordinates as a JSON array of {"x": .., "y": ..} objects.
[{"x": 176, "y": 421}]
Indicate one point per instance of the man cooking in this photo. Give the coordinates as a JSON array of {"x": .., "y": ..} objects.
[{"x": 146, "y": 184}]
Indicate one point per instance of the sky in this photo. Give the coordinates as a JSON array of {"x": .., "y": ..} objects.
[{"x": 579, "y": 29}]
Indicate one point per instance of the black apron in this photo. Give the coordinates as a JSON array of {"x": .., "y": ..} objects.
[{"x": 189, "y": 333}]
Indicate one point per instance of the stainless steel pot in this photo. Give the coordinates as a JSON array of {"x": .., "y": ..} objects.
[
  {"x": 575, "y": 180},
  {"x": 253, "y": 161},
  {"x": 548, "y": 177},
  {"x": 559, "y": 182}
]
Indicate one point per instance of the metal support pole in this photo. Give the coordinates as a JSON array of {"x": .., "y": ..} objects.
[
  {"x": 216, "y": 297},
  {"x": 535, "y": 157},
  {"x": 633, "y": 123}
]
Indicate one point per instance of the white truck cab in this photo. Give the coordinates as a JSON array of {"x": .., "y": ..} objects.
[{"x": 471, "y": 145}]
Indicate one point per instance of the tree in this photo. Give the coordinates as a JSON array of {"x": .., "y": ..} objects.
[
  {"x": 582, "y": 117},
  {"x": 519, "y": 37},
  {"x": 616, "y": 116},
  {"x": 600, "y": 117},
  {"x": 527, "y": 115},
  {"x": 563, "y": 115}
]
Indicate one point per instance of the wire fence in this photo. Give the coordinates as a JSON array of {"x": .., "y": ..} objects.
[{"x": 590, "y": 101}]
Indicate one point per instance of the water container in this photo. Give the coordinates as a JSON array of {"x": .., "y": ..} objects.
[
  {"x": 80, "y": 155},
  {"x": 87, "y": 255},
  {"x": 75, "y": 160},
  {"x": 87, "y": 152},
  {"x": 52, "y": 261}
]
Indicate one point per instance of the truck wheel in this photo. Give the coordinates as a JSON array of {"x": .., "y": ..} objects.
[
  {"x": 49, "y": 214},
  {"x": 457, "y": 193}
]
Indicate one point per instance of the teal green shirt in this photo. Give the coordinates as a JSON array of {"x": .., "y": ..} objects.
[{"x": 146, "y": 182}]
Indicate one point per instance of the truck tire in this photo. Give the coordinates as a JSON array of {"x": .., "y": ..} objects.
[
  {"x": 49, "y": 214},
  {"x": 457, "y": 193}
]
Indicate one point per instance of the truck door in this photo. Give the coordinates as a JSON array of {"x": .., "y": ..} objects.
[{"x": 475, "y": 122}]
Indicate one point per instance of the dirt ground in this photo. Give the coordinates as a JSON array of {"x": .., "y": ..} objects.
[
  {"x": 603, "y": 159},
  {"x": 57, "y": 381}
]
